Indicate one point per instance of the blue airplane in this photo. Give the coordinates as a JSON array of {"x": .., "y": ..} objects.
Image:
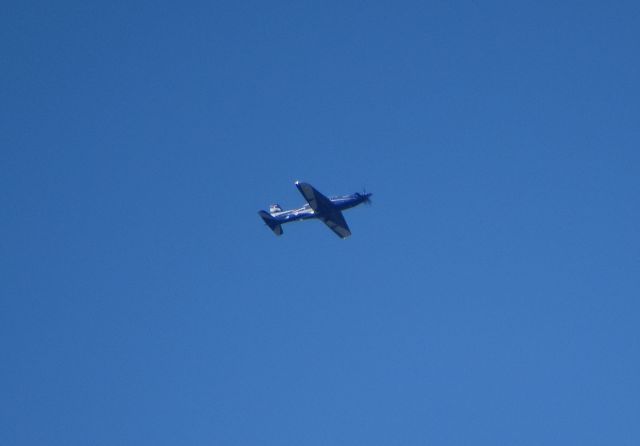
[{"x": 328, "y": 210}]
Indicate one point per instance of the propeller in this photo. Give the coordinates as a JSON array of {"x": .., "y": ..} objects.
[{"x": 365, "y": 196}]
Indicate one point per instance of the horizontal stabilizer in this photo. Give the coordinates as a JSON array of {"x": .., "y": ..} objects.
[{"x": 273, "y": 224}]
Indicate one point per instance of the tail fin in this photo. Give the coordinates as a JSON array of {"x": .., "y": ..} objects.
[{"x": 271, "y": 222}]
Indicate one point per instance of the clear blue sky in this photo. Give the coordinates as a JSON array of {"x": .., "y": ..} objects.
[{"x": 490, "y": 296}]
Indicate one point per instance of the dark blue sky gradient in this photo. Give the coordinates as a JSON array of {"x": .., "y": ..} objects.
[{"x": 489, "y": 296}]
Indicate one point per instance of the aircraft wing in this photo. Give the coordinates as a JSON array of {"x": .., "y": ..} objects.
[
  {"x": 336, "y": 223},
  {"x": 324, "y": 209}
]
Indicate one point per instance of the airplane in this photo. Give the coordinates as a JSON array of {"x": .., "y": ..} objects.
[{"x": 328, "y": 210}]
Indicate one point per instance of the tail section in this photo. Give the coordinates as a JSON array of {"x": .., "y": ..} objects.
[{"x": 273, "y": 224}]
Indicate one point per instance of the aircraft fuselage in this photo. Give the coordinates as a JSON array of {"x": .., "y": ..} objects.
[
  {"x": 327, "y": 209},
  {"x": 342, "y": 202}
]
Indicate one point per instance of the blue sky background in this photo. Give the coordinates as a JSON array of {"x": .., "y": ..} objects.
[{"x": 489, "y": 296}]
